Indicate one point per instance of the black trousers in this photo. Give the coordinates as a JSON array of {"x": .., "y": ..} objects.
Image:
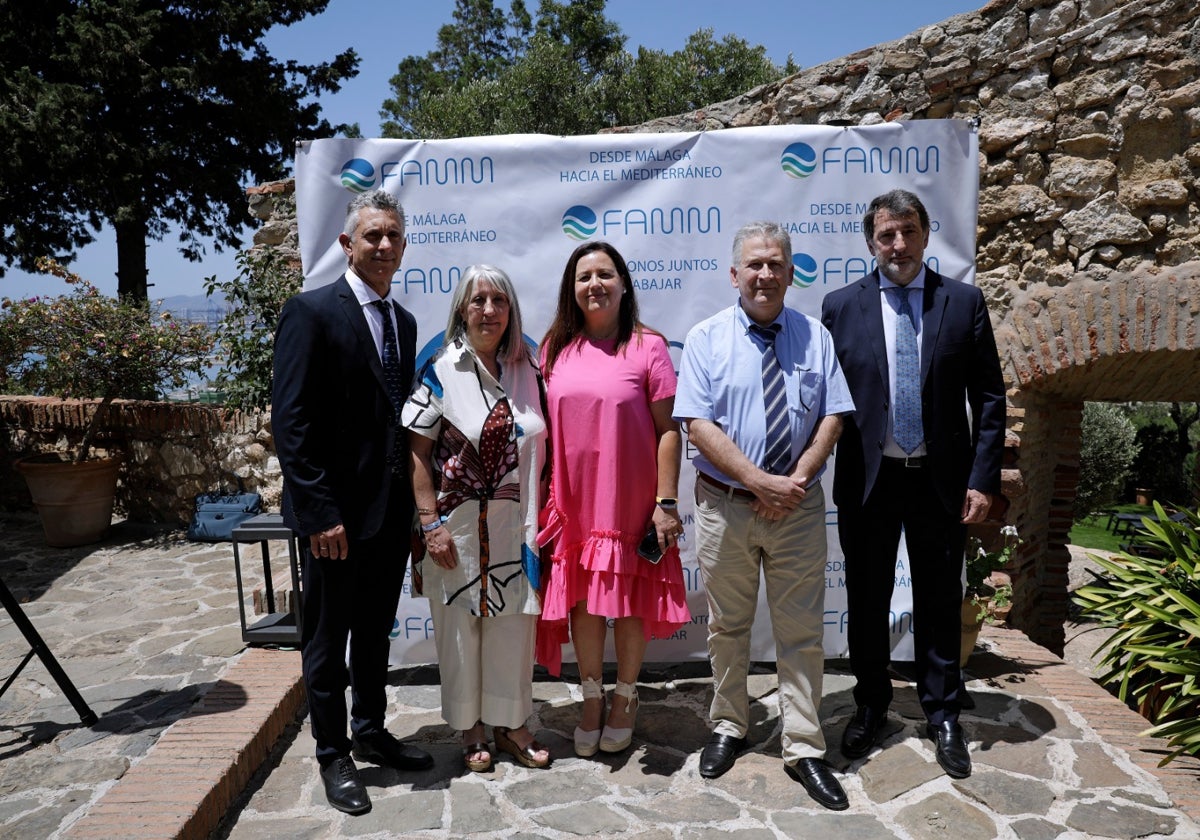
[
  {"x": 904, "y": 497},
  {"x": 356, "y": 599}
]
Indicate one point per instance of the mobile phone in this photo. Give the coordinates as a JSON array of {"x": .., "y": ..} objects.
[{"x": 649, "y": 547}]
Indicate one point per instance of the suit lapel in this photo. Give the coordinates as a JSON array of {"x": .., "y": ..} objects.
[
  {"x": 357, "y": 319},
  {"x": 933, "y": 304},
  {"x": 871, "y": 312}
]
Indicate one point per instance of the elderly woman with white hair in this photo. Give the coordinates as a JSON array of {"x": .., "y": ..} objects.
[{"x": 478, "y": 434}]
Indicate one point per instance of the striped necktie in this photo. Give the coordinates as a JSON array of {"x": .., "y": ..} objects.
[
  {"x": 907, "y": 429},
  {"x": 778, "y": 449}
]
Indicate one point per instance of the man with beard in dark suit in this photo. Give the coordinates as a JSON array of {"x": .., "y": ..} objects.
[{"x": 921, "y": 451}]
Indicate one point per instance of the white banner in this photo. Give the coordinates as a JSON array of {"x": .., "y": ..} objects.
[{"x": 670, "y": 203}]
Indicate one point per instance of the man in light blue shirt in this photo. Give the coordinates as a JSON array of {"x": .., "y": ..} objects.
[{"x": 762, "y": 395}]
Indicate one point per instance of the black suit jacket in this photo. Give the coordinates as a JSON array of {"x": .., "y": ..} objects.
[
  {"x": 959, "y": 368},
  {"x": 333, "y": 423}
]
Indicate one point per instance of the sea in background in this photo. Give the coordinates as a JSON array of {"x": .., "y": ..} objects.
[{"x": 198, "y": 309}]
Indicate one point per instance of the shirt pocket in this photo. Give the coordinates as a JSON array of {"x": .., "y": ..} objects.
[{"x": 810, "y": 384}]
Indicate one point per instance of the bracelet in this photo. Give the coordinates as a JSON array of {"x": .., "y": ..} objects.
[
  {"x": 426, "y": 511},
  {"x": 666, "y": 502},
  {"x": 426, "y": 527}
]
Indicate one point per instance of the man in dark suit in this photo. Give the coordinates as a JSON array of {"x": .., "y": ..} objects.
[
  {"x": 918, "y": 352},
  {"x": 344, "y": 356}
]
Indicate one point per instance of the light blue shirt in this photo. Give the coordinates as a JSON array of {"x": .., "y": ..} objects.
[
  {"x": 720, "y": 379},
  {"x": 888, "y": 305}
]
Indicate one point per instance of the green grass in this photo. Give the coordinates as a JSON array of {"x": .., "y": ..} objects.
[{"x": 1092, "y": 532}]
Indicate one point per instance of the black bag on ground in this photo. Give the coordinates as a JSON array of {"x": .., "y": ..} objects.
[{"x": 218, "y": 512}]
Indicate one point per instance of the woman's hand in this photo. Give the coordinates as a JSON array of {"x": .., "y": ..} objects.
[
  {"x": 669, "y": 527},
  {"x": 439, "y": 545}
]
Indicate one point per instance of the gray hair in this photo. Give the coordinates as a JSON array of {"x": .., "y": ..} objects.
[
  {"x": 371, "y": 200},
  {"x": 897, "y": 203},
  {"x": 761, "y": 230},
  {"x": 512, "y": 347}
]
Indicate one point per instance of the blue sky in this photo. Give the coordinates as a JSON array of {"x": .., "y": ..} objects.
[{"x": 812, "y": 33}]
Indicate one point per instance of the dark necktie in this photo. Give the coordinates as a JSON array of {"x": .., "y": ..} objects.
[
  {"x": 778, "y": 450},
  {"x": 908, "y": 430},
  {"x": 393, "y": 374}
]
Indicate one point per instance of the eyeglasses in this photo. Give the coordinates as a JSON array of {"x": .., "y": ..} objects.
[{"x": 481, "y": 301}]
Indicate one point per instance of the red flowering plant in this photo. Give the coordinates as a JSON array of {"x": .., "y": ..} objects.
[{"x": 88, "y": 345}]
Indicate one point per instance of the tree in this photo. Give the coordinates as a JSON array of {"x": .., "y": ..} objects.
[
  {"x": 246, "y": 335},
  {"x": 1107, "y": 447},
  {"x": 1164, "y": 444},
  {"x": 141, "y": 114},
  {"x": 572, "y": 75}
]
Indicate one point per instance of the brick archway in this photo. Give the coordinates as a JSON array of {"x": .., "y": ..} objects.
[{"x": 1130, "y": 337}]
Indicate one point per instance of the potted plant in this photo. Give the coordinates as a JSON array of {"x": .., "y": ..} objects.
[
  {"x": 88, "y": 345},
  {"x": 985, "y": 596}
]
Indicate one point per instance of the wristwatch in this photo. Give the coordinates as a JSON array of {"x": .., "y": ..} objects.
[{"x": 666, "y": 502}]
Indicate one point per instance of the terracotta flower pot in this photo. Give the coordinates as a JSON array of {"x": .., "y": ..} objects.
[
  {"x": 74, "y": 501},
  {"x": 972, "y": 623}
]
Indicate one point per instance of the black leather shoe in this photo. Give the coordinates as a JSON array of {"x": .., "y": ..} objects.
[
  {"x": 343, "y": 788},
  {"x": 383, "y": 748},
  {"x": 952, "y": 751},
  {"x": 718, "y": 754},
  {"x": 817, "y": 777},
  {"x": 861, "y": 731}
]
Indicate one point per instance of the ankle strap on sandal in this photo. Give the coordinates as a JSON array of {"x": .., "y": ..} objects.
[
  {"x": 591, "y": 688},
  {"x": 628, "y": 691}
]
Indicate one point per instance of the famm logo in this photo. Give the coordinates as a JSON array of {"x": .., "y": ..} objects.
[
  {"x": 358, "y": 175},
  {"x": 579, "y": 222},
  {"x": 804, "y": 271},
  {"x": 798, "y": 160}
]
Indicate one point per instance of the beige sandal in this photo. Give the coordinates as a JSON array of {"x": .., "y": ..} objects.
[
  {"x": 615, "y": 740},
  {"x": 587, "y": 741}
]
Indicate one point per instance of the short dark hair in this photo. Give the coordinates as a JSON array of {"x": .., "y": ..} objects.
[{"x": 897, "y": 203}]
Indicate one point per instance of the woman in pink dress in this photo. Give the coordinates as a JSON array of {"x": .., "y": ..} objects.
[{"x": 615, "y": 454}]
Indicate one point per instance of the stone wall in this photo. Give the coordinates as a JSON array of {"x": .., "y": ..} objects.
[{"x": 172, "y": 451}]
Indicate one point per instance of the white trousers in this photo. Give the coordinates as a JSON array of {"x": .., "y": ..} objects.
[{"x": 486, "y": 666}]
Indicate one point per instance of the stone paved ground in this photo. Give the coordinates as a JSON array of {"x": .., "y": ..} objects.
[
  {"x": 1040, "y": 772},
  {"x": 146, "y": 626}
]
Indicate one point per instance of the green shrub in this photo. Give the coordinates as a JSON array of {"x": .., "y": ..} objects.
[
  {"x": 86, "y": 344},
  {"x": 246, "y": 336},
  {"x": 1151, "y": 601},
  {"x": 1107, "y": 447}
]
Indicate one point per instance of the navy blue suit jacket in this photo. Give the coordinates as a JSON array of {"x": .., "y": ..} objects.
[
  {"x": 959, "y": 368},
  {"x": 333, "y": 423}
]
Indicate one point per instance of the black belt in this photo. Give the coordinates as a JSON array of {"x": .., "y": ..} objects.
[
  {"x": 909, "y": 462},
  {"x": 736, "y": 492}
]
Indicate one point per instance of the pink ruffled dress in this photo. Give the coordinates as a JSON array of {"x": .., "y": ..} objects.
[{"x": 603, "y": 484}]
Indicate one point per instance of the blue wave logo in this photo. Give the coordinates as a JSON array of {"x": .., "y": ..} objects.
[
  {"x": 579, "y": 222},
  {"x": 804, "y": 270},
  {"x": 798, "y": 160},
  {"x": 358, "y": 175}
]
